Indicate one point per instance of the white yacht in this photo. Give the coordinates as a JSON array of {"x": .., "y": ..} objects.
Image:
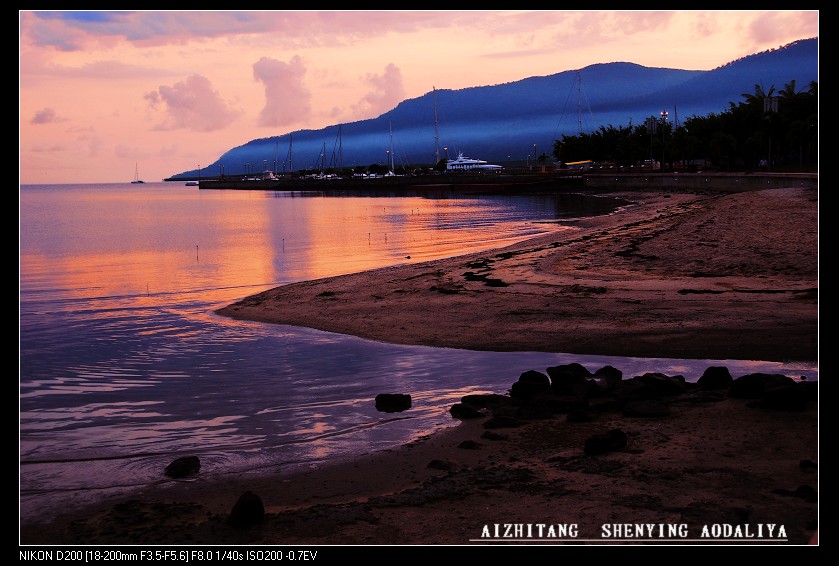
[{"x": 469, "y": 164}]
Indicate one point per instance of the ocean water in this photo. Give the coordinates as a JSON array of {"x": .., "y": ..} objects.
[{"x": 124, "y": 366}]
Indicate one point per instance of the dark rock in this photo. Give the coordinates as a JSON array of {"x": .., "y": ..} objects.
[
  {"x": 464, "y": 411},
  {"x": 469, "y": 445},
  {"x": 529, "y": 389},
  {"x": 715, "y": 377},
  {"x": 531, "y": 384},
  {"x": 607, "y": 377},
  {"x": 755, "y": 385},
  {"x": 664, "y": 384},
  {"x": 183, "y": 467},
  {"x": 392, "y": 402},
  {"x": 633, "y": 390},
  {"x": 566, "y": 403},
  {"x": 583, "y": 388},
  {"x": 774, "y": 391},
  {"x": 646, "y": 408},
  {"x": 611, "y": 441},
  {"x": 247, "y": 511},
  {"x": 574, "y": 369},
  {"x": 533, "y": 376},
  {"x": 609, "y": 372},
  {"x": 570, "y": 379}
]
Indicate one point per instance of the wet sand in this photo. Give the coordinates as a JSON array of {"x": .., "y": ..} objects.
[{"x": 680, "y": 275}]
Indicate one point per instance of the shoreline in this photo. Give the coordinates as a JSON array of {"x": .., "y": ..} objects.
[
  {"x": 676, "y": 274},
  {"x": 712, "y": 460}
]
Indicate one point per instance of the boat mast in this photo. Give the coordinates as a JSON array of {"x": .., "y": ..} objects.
[
  {"x": 290, "y": 156},
  {"x": 340, "y": 148},
  {"x": 391, "y": 147},
  {"x": 436, "y": 130},
  {"x": 579, "y": 104}
]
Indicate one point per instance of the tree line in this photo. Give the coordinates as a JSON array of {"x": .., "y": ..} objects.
[{"x": 767, "y": 130}]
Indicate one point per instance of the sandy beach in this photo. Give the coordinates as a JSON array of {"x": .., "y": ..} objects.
[
  {"x": 712, "y": 275},
  {"x": 681, "y": 275}
]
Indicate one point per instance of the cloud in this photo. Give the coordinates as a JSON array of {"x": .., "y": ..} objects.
[
  {"x": 52, "y": 148},
  {"x": 287, "y": 100},
  {"x": 705, "y": 25},
  {"x": 45, "y": 116},
  {"x": 77, "y": 30},
  {"x": 389, "y": 91},
  {"x": 771, "y": 27},
  {"x": 192, "y": 104}
]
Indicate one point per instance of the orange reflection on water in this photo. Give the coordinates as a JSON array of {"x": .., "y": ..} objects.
[{"x": 155, "y": 245}]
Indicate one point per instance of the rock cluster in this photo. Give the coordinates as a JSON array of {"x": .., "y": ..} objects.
[{"x": 581, "y": 396}]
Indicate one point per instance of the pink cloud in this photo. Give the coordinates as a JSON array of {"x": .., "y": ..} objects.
[
  {"x": 287, "y": 101},
  {"x": 192, "y": 104},
  {"x": 705, "y": 25},
  {"x": 631, "y": 23},
  {"x": 75, "y": 30},
  {"x": 45, "y": 116},
  {"x": 53, "y": 148},
  {"x": 389, "y": 91},
  {"x": 772, "y": 27}
]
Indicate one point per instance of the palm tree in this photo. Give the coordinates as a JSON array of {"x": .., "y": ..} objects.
[{"x": 759, "y": 94}]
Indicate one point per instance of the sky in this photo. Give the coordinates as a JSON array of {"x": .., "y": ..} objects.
[{"x": 106, "y": 93}]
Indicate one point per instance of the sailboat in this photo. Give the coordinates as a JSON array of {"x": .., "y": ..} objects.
[{"x": 136, "y": 176}]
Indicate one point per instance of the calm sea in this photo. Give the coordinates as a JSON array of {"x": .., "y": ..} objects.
[{"x": 124, "y": 366}]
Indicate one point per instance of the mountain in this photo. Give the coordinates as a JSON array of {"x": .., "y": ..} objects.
[{"x": 503, "y": 122}]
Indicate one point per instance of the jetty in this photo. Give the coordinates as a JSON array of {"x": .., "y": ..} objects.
[{"x": 560, "y": 181}]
